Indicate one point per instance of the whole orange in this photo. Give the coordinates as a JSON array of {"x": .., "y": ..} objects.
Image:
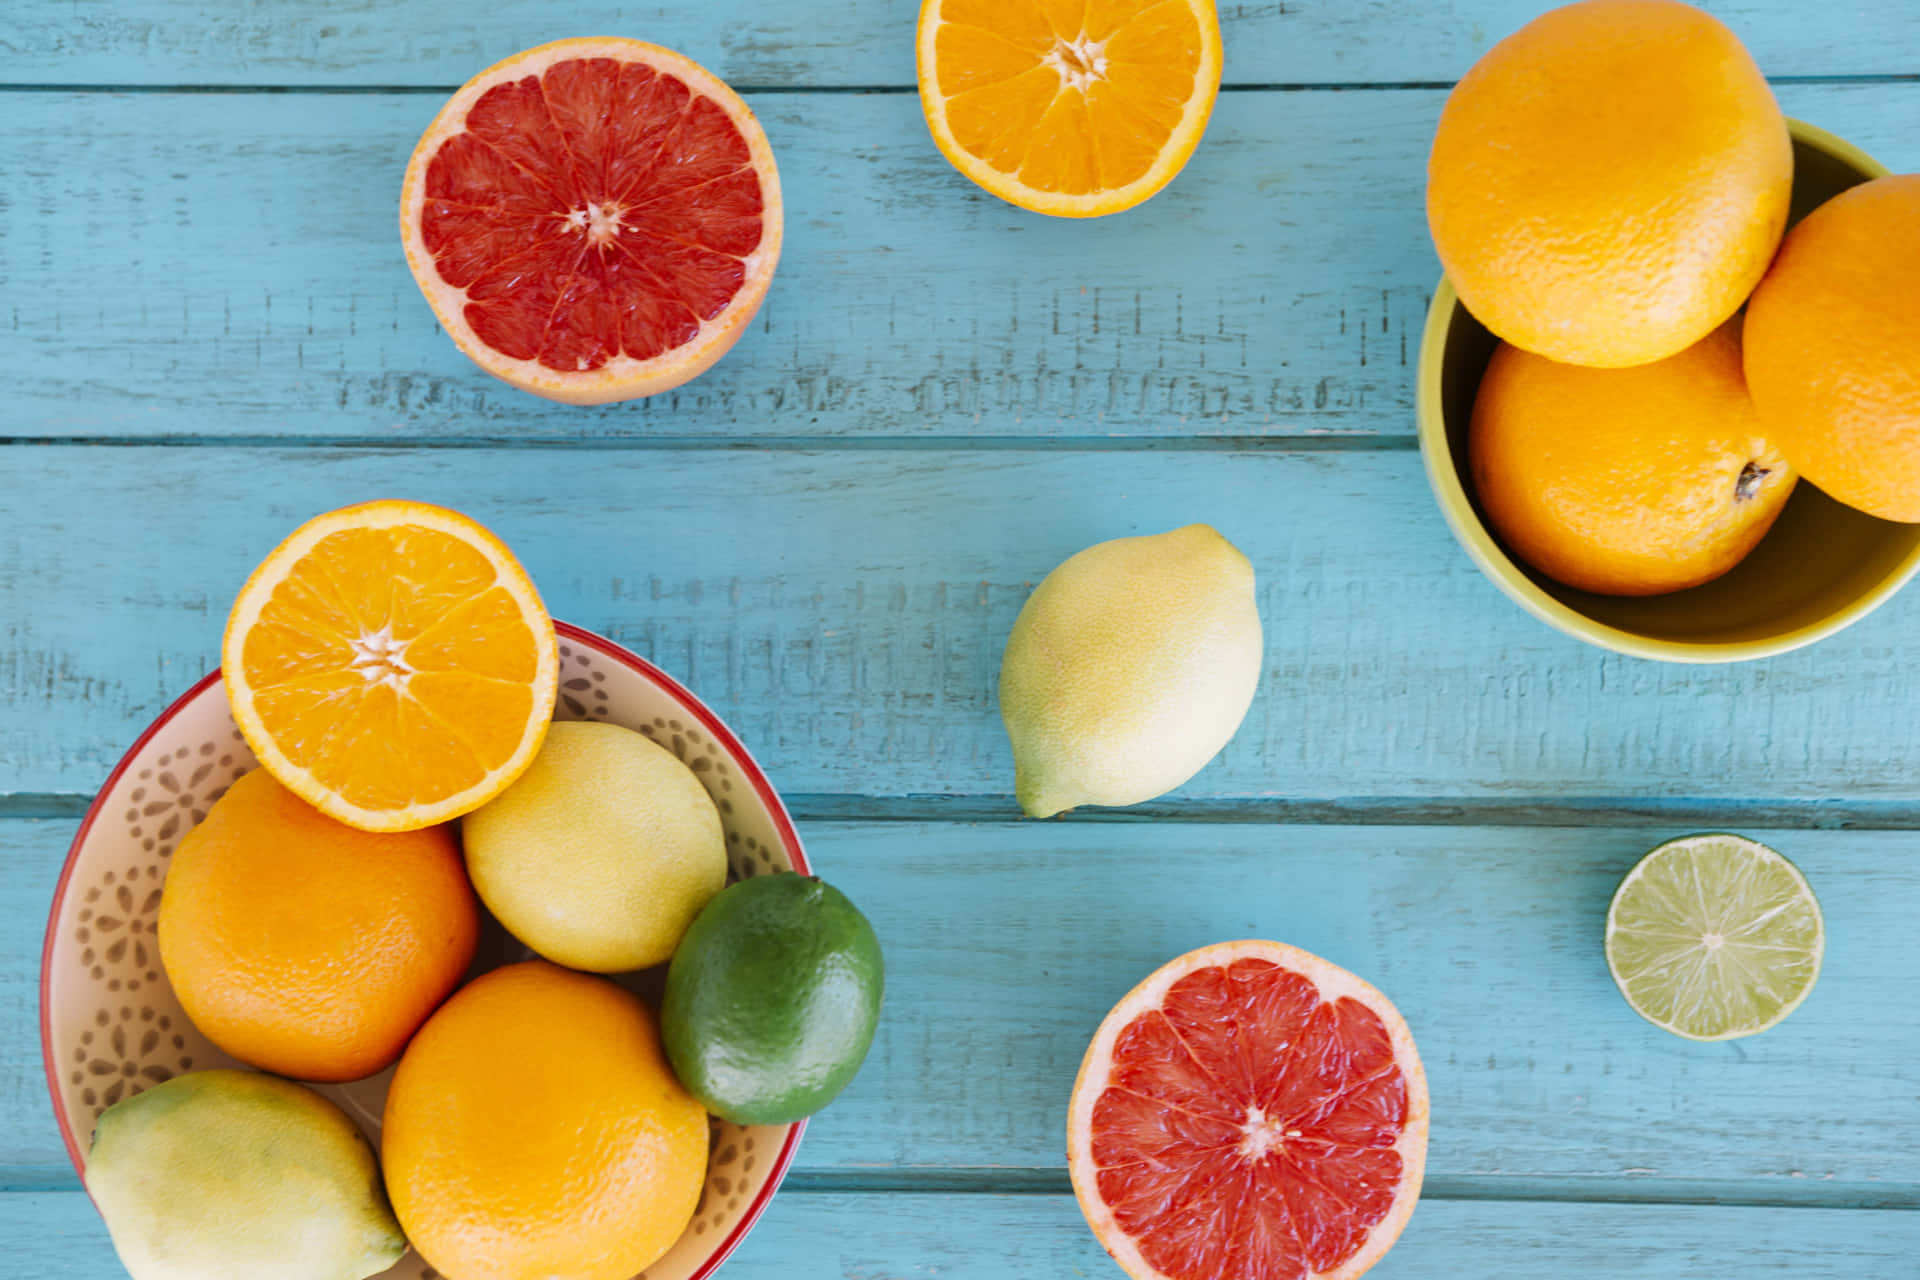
[
  {"x": 534, "y": 1129},
  {"x": 1609, "y": 182},
  {"x": 1833, "y": 347},
  {"x": 306, "y": 947},
  {"x": 1628, "y": 482}
]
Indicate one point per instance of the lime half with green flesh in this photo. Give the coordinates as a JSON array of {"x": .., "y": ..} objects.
[{"x": 1714, "y": 937}]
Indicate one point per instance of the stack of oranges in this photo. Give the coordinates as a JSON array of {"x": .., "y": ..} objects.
[
  {"x": 393, "y": 668},
  {"x": 1609, "y": 187}
]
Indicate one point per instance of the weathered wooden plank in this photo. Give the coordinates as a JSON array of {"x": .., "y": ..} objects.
[
  {"x": 1006, "y": 944},
  {"x": 210, "y": 265},
  {"x": 976, "y": 1237},
  {"x": 845, "y": 611},
  {"x": 828, "y": 42}
]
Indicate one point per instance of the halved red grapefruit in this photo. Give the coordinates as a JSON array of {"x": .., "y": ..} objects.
[
  {"x": 594, "y": 219},
  {"x": 1249, "y": 1112}
]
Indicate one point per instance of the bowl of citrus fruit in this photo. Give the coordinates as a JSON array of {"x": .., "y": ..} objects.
[
  {"x": 431, "y": 937},
  {"x": 1665, "y": 393}
]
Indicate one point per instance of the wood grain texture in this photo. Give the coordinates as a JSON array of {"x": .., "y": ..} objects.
[
  {"x": 1006, "y": 944},
  {"x": 195, "y": 265},
  {"x": 824, "y": 43},
  {"x": 960, "y": 1237},
  {"x": 845, "y": 612}
]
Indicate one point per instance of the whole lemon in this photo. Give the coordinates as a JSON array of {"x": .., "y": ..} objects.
[
  {"x": 225, "y": 1175},
  {"x": 601, "y": 854},
  {"x": 535, "y": 1132},
  {"x": 1128, "y": 669}
]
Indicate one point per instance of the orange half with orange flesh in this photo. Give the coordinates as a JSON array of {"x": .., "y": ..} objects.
[
  {"x": 1070, "y": 107},
  {"x": 392, "y": 665}
]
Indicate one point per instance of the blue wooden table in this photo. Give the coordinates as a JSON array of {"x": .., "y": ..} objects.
[{"x": 209, "y": 333}]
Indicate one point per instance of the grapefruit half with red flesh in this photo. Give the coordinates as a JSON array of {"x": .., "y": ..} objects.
[
  {"x": 1249, "y": 1112},
  {"x": 593, "y": 220}
]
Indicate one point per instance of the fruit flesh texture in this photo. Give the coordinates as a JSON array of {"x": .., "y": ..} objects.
[
  {"x": 1608, "y": 184},
  {"x": 231, "y": 1175},
  {"x": 1627, "y": 482},
  {"x": 1067, "y": 98},
  {"x": 1833, "y": 347},
  {"x": 1248, "y": 1127},
  {"x": 534, "y": 1129},
  {"x": 393, "y": 662},
  {"x": 1129, "y": 668},
  {"x": 1714, "y": 937},
  {"x": 602, "y": 853},
  {"x": 773, "y": 999},
  {"x": 306, "y": 947},
  {"x": 598, "y": 210}
]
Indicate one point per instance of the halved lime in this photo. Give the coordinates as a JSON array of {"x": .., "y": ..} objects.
[{"x": 1713, "y": 937}]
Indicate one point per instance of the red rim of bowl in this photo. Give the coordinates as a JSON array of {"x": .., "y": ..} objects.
[{"x": 749, "y": 768}]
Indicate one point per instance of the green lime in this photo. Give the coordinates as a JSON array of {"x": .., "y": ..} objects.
[
  {"x": 1714, "y": 937},
  {"x": 772, "y": 999},
  {"x": 228, "y": 1174}
]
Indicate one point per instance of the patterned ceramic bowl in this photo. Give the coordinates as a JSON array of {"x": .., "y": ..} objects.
[{"x": 110, "y": 1025}]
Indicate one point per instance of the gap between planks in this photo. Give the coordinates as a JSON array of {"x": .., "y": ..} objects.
[
  {"x": 436, "y": 90},
  {"x": 1354, "y": 811},
  {"x": 1871, "y": 1197},
  {"x": 1302, "y": 443}
]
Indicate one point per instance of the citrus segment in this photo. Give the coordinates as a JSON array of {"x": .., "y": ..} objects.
[
  {"x": 391, "y": 664},
  {"x": 1608, "y": 183},
  {"x": 1249, "y": 1112},
  {"x": 1713, "y": 937},
  {"x": 1833, "y": 347},
  {"x": 1071, "y": 109},
  {"x": 594, "y": 219}
]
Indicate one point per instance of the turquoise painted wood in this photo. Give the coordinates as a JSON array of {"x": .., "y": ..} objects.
[
  {"x": 845, "y": 611},
  {"x": 823, "y": 43},
  {"x": 209, "y": 334},
  {"x": 1006, "y": 944},
  {"x": 884, "y": 1237},
  {"x": 155, "y": 246}
]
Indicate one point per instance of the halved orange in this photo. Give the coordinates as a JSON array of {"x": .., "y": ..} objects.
[
  {"x": 1070, "y": 107},
  {"x": 593, "y": 219},
  {"x": 1249, "y": 1112},
  {"x": 391, "y": 665}
]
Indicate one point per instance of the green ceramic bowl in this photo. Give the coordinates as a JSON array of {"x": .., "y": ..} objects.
[{"x": 1822, "y": 566}]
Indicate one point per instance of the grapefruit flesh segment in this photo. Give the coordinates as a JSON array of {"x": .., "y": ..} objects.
[
  {"x": 593, "y": 220},
  {"x": 1257, "y": 1114}
]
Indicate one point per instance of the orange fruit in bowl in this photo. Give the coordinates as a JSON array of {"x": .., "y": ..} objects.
[
  {"x": 1629, "y": 482},
  {"x": 593, "y": 219},
  {"x": 1073, "y": 109},
  {"x": 305, "y": 947},
  {"x": 534, "y": 1128},
  {"x": 1608, "y": 184},
  {"x": 392, "y": 665},
  {"x": 1833, "y": 347}
]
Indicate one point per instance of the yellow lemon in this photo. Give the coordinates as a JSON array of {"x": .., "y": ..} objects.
[
  {"x": 1129, "y": 668},
  {"x": 600, "y": 855}
]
